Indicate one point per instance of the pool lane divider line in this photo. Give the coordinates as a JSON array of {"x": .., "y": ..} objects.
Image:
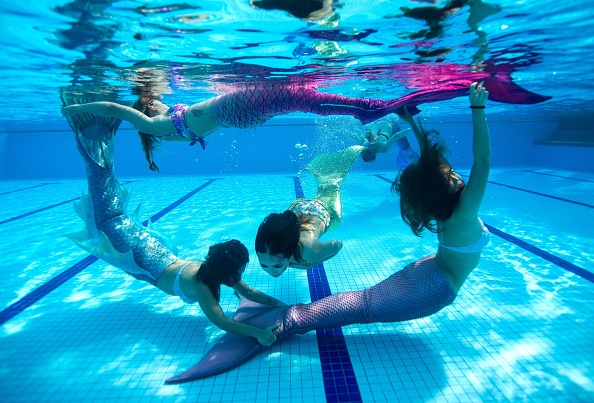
[
  {"x": 30, "y": 187},
  {"x": 19, "y": 306},
  {"x": 585, "y": 274},
  {"x": 18, "y": 217},
  {"x": 46, "y": 208},
  {"x": 540, "y": 194},
  {"x": 556, "y": 176},
  {"x": 543, "y": 194},
  {"x": 340, "y": 382}
]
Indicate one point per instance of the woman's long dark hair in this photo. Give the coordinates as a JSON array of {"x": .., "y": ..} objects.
[
  {"x": 278, "y": 234},
  {"x": 222, "y": 265},
  {"x": 424, "y": 187},
  {"x": 370, "y": 151},
  {"x": 148, "y": 141}
]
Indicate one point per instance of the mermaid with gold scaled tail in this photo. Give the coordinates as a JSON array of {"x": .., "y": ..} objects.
[{"x": 292, "y": 238}]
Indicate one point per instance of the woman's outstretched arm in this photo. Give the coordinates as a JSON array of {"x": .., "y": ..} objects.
[
  {"x": 408, "y": 118},
  {"x": 396, "y": 136},
  {"x": 256, "y": 295},
  {"x": 157, "y": 126},
  {"x": 472, "y": 197},
  {"x": 211, "y": 308}
]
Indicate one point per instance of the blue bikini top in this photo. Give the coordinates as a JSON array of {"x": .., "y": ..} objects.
[{"x": 475, "y": 247}]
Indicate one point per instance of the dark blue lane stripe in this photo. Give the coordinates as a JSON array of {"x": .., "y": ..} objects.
[
  {"x": 47, "y": 208},
  {"x": 180, "y": 201},
  {"x": 585, "y": 274},
  {"x": 19, "y": 306},
  {"x": 340, "y": 383},
  {"x": 30, "y": 187},
  {"x": 37, "y": 211},
  {"x": 557, "y": 176},
  {"x": 542, "y": 194}
]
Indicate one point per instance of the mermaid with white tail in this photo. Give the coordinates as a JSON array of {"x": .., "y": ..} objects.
[{"x": 115, "y": 237}]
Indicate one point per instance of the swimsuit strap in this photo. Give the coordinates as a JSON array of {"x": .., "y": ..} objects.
[
  {"x": 178, "y": 117},
  {"x": 194, "y": 138}
]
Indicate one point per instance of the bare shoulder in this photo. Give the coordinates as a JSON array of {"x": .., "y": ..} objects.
[{"x": 461, "y": 229}]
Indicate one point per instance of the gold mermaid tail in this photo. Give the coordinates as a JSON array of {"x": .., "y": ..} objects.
[{"x": 330, "y": 170}]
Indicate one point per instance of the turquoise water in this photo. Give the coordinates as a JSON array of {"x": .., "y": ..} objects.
[
  {"x": 72, "y": 329},
  {"x": 51, "y": 44},
  {"x": 520, "y": 329}
]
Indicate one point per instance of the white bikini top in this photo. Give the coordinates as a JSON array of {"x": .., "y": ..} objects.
[
  {"x": 475, "y": 247},
  {"x": 177, "y": 290}
]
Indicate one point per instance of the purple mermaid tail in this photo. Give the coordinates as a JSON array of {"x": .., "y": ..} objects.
[
  {"x": 231, "y": 350},
  {"x": 420, "y": 289},
  {"x": 253, "y": 103}
]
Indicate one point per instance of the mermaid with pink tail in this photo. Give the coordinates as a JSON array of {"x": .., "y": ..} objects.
[
  {"x": 423, "y": 287},
  {"x": 253, "y": 103},
  {"x": 420, "y": 289}
]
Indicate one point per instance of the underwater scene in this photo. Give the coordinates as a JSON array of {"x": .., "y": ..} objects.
[{"x": 297, "y": 201}]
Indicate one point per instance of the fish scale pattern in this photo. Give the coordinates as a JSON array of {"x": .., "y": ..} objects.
[
  {"x": 252, "y": 104},
  {"x": 419, "y": 290}
]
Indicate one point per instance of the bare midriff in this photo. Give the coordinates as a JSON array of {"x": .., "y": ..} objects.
[{"x": 200, "y": 119}]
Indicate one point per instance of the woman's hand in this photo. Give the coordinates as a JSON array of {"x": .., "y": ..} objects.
[
  {"x": 478, "y": 94},
  {"x": 265, "y": 336}
]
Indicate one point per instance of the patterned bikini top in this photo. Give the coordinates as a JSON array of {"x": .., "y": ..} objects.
[{"x": 311, "y": 207}]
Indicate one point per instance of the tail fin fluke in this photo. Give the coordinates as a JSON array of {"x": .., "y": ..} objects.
[{"x": 94, "y": 133}]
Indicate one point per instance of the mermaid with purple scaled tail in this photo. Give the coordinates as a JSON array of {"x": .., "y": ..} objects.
[
  {"x": 252, "y": 103},
  {"x": 433, "y": 197}
]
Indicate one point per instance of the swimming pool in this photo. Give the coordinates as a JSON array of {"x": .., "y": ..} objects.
[
  {"x": 73, "y": 328},
  {"x": 521, "y": 327}
]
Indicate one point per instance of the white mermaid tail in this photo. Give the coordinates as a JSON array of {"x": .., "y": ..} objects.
[
  {"x": 94, "y": 241},
  {"x": 110, "y": 233}
]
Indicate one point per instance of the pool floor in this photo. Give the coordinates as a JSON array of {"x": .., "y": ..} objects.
[{"x": 521, "y": 329}]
